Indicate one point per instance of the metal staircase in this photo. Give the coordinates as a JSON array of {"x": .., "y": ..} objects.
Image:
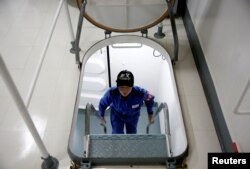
[{"x": 122, "y": 149}]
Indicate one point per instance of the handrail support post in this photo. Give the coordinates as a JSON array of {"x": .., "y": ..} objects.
[
  {"x": 49, "y": 161},
  {"x": 175, "y": 36},
  {"x": 78, "y": 34}
]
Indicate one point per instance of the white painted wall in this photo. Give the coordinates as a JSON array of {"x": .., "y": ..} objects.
[
  {"x": 223, "y": 28},
  {"x": 141, "y": 62},
  {"x": 95, "y": 81}
]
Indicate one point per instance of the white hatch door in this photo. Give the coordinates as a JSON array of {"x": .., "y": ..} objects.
[{"x": 125, "y": 15}]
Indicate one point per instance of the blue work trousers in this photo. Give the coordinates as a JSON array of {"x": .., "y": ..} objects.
[{"x": 118, "y": 122}]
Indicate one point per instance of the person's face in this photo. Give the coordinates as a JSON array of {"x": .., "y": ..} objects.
[{"x": 125, "y": 90}]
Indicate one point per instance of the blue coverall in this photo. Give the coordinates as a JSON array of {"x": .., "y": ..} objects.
[{"x": 125, "y": 111}]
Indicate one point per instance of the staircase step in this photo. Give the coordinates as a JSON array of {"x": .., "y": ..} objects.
[{"x": 127, "y": 148}]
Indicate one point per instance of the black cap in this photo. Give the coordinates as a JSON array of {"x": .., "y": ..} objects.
[{"x": 125, "y": 78}]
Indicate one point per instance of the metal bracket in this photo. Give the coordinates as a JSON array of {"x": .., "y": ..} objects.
[
  {"x": 107, "y": 34},
  {"x": 72, "y": 50},
  {"x": 159, "y": 34},
  {"x": 144, "y": 33},
  {"x": 86, "y": 165},
  {"x": 50, "y": 163},
  {"x": 171, "y": 163}
]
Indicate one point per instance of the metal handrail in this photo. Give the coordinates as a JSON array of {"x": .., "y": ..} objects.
[
  {"x": 90, "y": 108},
  {"x": 87, "y": 130},
  {"x": 155, "y": 114},
  {"x": 49, "y": 161},
  {"x": 87, "y": 119},
  {"x": 175, "y": 36},
  {"x": 40, "y": 63},
  {"x": 21, "y": 106},
  {"x": 97, "y": 115},
  {"x": 164, "y": 107},
  {"x": 78, "y": 33},
  {"x": 167, "y": 130},
  {"x": 16, "y": 96}
]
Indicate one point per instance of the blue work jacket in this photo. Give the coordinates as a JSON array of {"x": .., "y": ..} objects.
[{"x": 126, "y": 107}]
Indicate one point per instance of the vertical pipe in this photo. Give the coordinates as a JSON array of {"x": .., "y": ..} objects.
[
  {"x": 167, "y": 130},
  {"x": 22, "y": 108},
  {"x": 87, "y": 120},
  {"x": 173, "y": 25},
  {"x": 78, "y": 32},
  {"x": 71, "y": 32},
  {"x": 109, "y": 71},
  {"x": 87, "y": 129},
  {"x": 34, "y": 81},
  {"x": 108, "y": 35}
]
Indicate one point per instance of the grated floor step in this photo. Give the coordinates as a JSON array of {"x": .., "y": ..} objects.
[{"x": 124, "y": 148}]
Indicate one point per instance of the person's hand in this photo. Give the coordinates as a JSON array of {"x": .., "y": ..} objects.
[
  {"x": 102, "y": 121},
  {"x": 151, "y": 118}
]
